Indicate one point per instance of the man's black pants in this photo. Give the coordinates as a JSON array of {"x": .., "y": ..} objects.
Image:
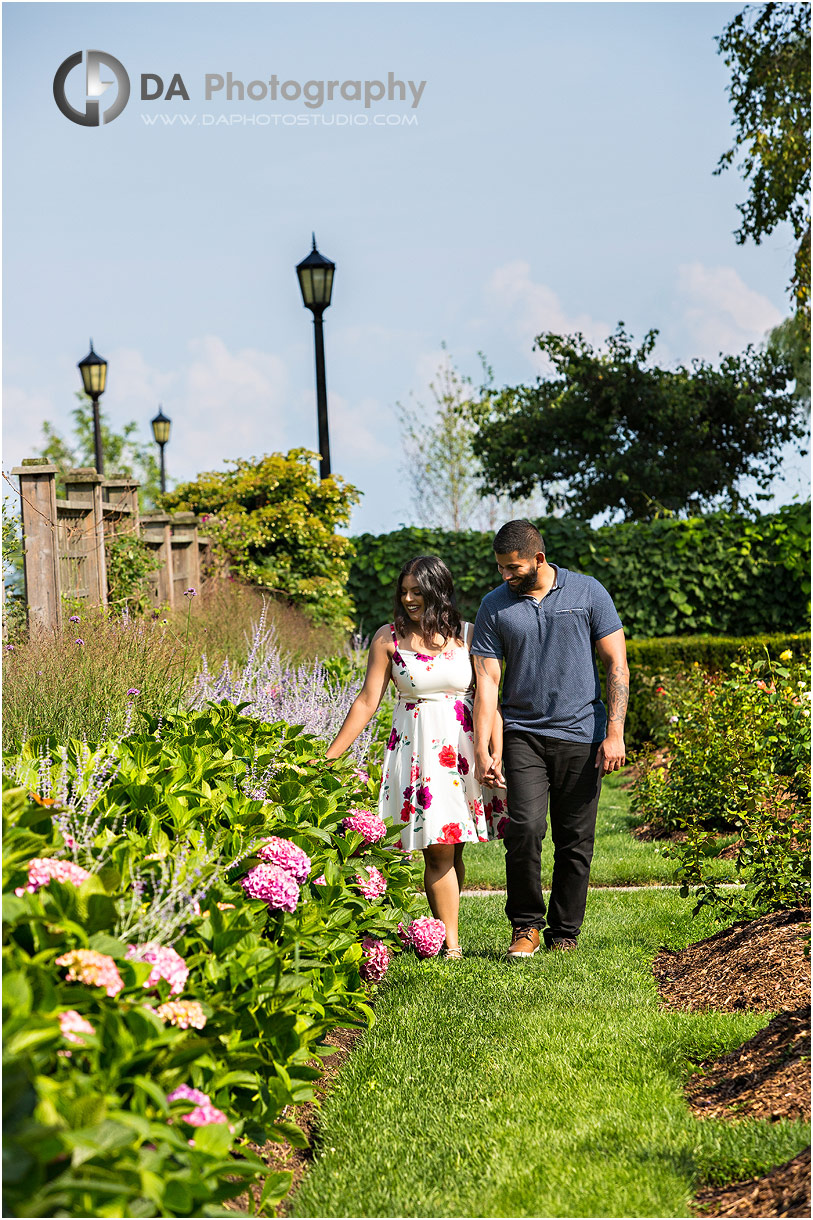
[{"x": 537, "y": 769}]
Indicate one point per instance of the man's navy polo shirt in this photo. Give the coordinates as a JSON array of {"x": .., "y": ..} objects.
[{"x": 551, "y": 684}]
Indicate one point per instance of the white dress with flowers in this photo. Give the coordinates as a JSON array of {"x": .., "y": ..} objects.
[{"x": 428, "y": 784}]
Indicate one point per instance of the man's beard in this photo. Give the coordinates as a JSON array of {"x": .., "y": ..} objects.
[{"x": 527, "y": 582}]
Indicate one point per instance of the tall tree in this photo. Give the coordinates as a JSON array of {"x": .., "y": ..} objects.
[
  {"x": 611, "y": 430},
  {"x": 767, "y": 48},
  {"x": 124, "y": 452},
  {"x": 445, "y": 476}
]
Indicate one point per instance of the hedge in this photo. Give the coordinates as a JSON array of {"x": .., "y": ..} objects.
[
  {"x": 656, "y": 662},
  {"x": 721, "y": 574}
]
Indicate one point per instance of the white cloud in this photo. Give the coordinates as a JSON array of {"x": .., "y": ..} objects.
[
  {"x": 222, "y": 404},
  {"x": 721, "y": 313},
  {"x": 528, "y": 308}
]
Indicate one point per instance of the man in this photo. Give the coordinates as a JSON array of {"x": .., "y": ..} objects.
[{"x": 544, "y": 623}]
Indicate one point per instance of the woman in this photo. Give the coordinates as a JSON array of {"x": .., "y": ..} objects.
[{"x": 428, "y": 781}]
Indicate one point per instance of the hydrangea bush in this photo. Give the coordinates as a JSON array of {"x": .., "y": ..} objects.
[{"x": 167, "y": 994}]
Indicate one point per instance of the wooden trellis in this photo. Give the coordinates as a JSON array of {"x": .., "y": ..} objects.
[{"x": 64, "y": 541}]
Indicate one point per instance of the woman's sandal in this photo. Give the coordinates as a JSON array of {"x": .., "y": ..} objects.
[{"x": 453, "y": 955}]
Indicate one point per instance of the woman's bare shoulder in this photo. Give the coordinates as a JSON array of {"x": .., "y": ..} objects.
[{"x": 383, "y": 636}]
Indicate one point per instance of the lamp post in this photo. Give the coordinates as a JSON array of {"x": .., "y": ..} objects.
[
  {"x": 94, "y": 376},
  {"x": 316, "y": 282},
  {"x": 160, "y": 430}
]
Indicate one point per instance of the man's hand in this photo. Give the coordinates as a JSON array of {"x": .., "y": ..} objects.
[{"x": 611, "y": 754}]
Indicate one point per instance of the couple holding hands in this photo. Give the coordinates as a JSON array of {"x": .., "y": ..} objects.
[{"x": 463, "y": 766}]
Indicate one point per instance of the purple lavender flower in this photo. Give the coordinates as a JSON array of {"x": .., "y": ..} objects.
[
  {"x": 9, "y": 648},
  {"x": 190, "y": 592},
  {"x": 133, "y": 691},
  {"x": 79, "y": 642},
  {"x": 74, "y": 619}
]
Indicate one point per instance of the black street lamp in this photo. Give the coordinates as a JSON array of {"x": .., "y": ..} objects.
[
  {"x": 316, "y": 282},
  {"x": 94, "y": 376},
  {"x": 160, "y": 430}
]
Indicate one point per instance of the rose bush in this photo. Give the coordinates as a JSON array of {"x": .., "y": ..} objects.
[
  {"x": 737, "y": 758},
  {"x": 150, "y": 970}
]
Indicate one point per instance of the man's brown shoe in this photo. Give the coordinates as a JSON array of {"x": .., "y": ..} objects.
[
  {"x": 524, "y": 943},
  {"x": 562, "y": 942}
]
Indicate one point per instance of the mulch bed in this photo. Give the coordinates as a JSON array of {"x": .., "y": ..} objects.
[
  {"x": 761, "y": 966},
  {"x": 767, "y": 1077},
  {"x": 283, "y": 1156},
  {"x": 783, "y": 1192},
  {"x": 758, "y": 965}
]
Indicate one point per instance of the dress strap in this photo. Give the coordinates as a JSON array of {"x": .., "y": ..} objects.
[
  {"x": 392, "y": 633},
  {"x": 467, "y": 627}
]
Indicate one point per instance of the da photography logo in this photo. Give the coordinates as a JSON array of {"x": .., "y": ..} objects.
[{"x": 94, "y": 88}]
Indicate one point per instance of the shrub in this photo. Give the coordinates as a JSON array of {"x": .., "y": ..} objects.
[
  {"x": 315, "y": 696},
  {"x": 659, "y": 663},
  {"x": 273, "y": 522},
  {"x": 54, "y": 686},
  {"x": 737, "y": 759},
  {"x": 154, "y": 1111},
  {"x": 722, "y": 573}
]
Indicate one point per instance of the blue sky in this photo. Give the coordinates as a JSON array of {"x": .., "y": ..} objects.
[{"x": 558, "y": 177}]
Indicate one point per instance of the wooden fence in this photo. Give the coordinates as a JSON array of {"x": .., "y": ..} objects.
[{"x": 64, "y": 541}]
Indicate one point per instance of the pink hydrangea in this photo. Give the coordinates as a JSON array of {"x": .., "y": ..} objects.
[
  {"x": 424, "y": 935},
  {"x": 40, "y": 872},
  {"x": 373, "y": 884},
  {"x": 93, "y": 969},
  {"x": 203, "y": 1113},
  {"x": 272, "y": 885},
  {"x": 320, "y": 880},
  {"x": 288, "y": 856},
  {"x": 367, "y": 824},
  {"x": 362, "y": 775},
  {"x": 183, "y": 1013},
  {"x": 376, "y": 960},
  {"x": 72, "y": 1024},
  {"x": 166, "y": 964},
  {"x": 201, "y": 1116},
  {"x": 185, "y": 1092}
]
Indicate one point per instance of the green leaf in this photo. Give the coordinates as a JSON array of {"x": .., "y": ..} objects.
[{"x": 275, "y": 1188}]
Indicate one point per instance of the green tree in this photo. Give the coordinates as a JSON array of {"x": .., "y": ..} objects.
[
  {"x": 445, "y": 475},
  {"x": 272, "y": 522},
  {"x": 767, "y": 48},
  {"x": 124, "y": 452},
  {"x": 610, "y": 430},
  {"x": 791, "y": 341}
]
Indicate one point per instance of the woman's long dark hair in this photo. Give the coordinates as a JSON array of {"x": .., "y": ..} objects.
[{"x": 440, "y": 615}]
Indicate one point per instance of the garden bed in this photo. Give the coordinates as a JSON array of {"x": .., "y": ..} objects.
[
  {"x": 783, "y": 1192},
  {"x": 767, "y": 1077},
  {"x": 285, "y": 1157},
  {"x": 761, "y": 966},
  {"x": 758, "y": 965}
]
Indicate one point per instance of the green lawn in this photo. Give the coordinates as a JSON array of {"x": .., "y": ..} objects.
[
  {"x": 546, "y": 1088},
  {"x": 619, "y": 859}
]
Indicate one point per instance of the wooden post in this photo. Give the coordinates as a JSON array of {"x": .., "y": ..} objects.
[
  {"x": 120, "y": 500},
  {"x": 185, "y": 555},
  {"x": 156, "y": 530},
  {"x": 83, "y": 487},
  {"x": 41, "y": 556}
]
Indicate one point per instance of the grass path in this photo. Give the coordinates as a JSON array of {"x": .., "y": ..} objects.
[
  {"x": 549, "y": 1088},
  {"x": 619, "y": 858}
]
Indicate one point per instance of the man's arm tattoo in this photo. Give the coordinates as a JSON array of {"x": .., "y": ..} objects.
[{"x": 618, "y": 693}]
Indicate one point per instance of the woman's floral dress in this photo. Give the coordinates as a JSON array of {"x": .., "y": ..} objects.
[{"x": 428, "y": 782}]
